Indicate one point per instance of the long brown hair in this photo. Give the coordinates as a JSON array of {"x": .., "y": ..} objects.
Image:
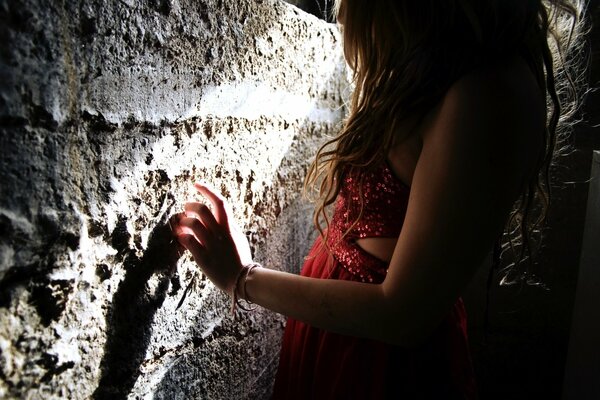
[{"x": 405, "y": 55}]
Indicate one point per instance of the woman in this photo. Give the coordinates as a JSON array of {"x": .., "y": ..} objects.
[{"x": 448, "y": 136}]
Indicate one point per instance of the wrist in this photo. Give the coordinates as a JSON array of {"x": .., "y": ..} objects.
[
  {"x": 233, "y": 288},
  {"x": 239, "y": 292}
]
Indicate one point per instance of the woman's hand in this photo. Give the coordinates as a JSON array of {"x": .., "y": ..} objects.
[{"x": 218, "y": 246}]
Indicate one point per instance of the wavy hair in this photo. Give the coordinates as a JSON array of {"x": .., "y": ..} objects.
[{"x": 405, "y": 55}]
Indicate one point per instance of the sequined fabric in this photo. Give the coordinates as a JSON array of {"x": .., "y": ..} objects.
[
  {"x": 320, "y": 364},
  {"x": 385, "y": 200}
]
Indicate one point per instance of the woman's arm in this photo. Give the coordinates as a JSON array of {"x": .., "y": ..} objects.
[{"x": 473, "y": 161}]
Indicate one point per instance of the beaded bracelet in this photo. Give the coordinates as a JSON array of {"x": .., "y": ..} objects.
[{"x": 235, "y": 301}]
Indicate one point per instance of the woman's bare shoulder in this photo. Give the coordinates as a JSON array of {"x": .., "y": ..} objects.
[
  {"x": 503, "y": 112},
  {"x": 506, "y": 91}
]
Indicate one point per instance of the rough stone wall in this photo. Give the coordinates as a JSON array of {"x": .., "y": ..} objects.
[
  {"x": 320, "y": 8},
  {"x": 109, "y": 110}
]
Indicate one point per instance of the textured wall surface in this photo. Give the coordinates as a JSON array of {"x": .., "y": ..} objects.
[
  {"x": 108, "y": 112},
  {"x": 320, "y": 8}
]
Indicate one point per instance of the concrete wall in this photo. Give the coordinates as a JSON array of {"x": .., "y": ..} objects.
[{"x": 108, "y": 112}]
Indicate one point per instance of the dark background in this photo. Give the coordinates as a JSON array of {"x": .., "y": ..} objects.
[
  {"x": 526, "y": 349},
  {"x": 524, "y": 353}
]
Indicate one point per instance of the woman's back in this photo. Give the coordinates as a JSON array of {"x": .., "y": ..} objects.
[{"x": 517, "y": 105}]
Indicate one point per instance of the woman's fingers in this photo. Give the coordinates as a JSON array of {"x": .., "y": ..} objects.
[
  {"x": 208, "y": 236},
  {"x": 203, "y": 213},
  {"x": 217, "y": 202},
  {"x": 191, "y": 243},
  {"x": 193, "y": 226}
]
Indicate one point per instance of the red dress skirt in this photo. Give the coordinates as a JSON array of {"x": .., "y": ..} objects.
[{"x": 318, "y": 364}]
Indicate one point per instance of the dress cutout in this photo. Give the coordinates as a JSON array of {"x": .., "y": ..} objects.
[{"x": 318, "y": 364}]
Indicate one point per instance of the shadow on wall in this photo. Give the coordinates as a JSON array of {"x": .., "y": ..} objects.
[{"x": 133, "y": 307}]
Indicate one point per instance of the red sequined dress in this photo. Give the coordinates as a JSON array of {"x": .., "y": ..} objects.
[{"x": 317, "y": 364}]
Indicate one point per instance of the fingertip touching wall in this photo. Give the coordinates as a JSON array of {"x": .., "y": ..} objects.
[{"x": 108, "y": 113}]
